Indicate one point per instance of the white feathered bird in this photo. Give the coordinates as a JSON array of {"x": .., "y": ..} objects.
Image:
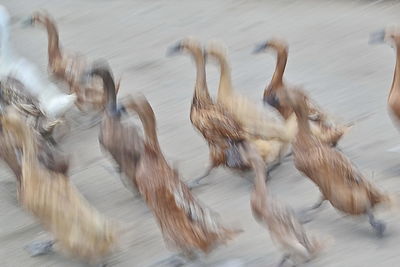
[{"x": 53, "y": 102}]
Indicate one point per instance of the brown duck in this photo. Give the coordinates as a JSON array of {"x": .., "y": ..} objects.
[
  {"x": 75, "y": 225},
  {"x": 284, "y": 228},
  {"x": 219, "y": 128},
  {"x": 119, "y": 140},
  {"x": 322, "y": 125},
  {"x": 69, "y": 68},
  {"x": 337, "y": 178},
  {"x": 185, "y": 223}
]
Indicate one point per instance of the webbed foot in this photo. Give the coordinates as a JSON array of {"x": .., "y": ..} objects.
[
  {"x": 379, "y": 226},
  {"x": 40, "y": 248}
]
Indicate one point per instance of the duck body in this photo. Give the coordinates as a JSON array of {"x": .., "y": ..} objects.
[
  {"x": 222, "y": 134},
  {"x": 121, "y": 141},
  {"x": 336, "y": 177},
  {"x": 266, "y": 130},
  {"x": 338, "y": 180},
  {"x": 186, "y": 225},
  {"x": 284, "y": 228},
  {"x": 221, "y": 130}
]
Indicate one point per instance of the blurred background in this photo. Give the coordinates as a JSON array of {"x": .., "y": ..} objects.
[{"x": 329, "y": 56}]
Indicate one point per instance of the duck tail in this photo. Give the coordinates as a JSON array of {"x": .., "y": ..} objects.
[
  {"x": 318, "y": 245},
  {"x": 391, "y": 201}
]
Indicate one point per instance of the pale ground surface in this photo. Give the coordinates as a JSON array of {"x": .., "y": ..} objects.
[{"x": 329, "y": 55}]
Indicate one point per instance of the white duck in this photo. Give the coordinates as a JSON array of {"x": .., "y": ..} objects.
[{"x": 53, "y": 102}]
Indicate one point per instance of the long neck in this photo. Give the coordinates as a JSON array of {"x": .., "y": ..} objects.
[
  {"x": 225, "y": 80},
  {"x": 53, "y": 46},
  {"x": 147, "y": 117},
  {"x": 201, "y": 94},
  {"x": 257, "y": 164},
  {"x": 277, "y": 78},
  {"x": 302, "y": 122},
  {"x": 109, "y": 88},
  {"x": 396, "y": 76}
]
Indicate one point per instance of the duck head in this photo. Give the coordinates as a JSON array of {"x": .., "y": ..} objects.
[
  {"x": 185, "y": 45},
  {"x": 276, "y": 44},
  {"x": 35, "y": 18},
  {"x": 391, "y": 36}
]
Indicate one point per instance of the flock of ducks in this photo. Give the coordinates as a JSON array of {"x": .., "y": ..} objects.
[{"x": 241, "y": 135}]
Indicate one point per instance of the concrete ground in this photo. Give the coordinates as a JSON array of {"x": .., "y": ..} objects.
[{"x": 329, "y": 55}]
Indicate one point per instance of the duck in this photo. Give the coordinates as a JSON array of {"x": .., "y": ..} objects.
[
  {"x": 257, "y": 122},
  {"x": 221, "y": 130},
  {"x": 52, "y": 102},
  {"x": 77, "y": 227},
  {"x": 69, "y": 68},
  {"x": 322, "y": 125},
  {"x": 285, "y": 229},
  {"x": 266, "y": 129},
  {"x": 186, "y": 224},
  {"x": 339, "y": 181},
  {"x": 391, "y": 36},
  {"x": 119, "y": 140}
]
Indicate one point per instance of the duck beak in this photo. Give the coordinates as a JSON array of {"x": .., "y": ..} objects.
[
  {"x": 260, "y": 48},
  {"x": 377, "y": 37},
  {"x": 27, "y": 22},
  {"x": 174, "y": 50}
]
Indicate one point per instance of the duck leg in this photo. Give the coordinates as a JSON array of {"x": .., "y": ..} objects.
[
  {"x": 173, "y": 261},
  {"x": 304, "y": 216},
  {"x": 379, "y": 226},
  {"x": 283, "y": 260},
  {"x": 40, "y": 247},
  {"x": 196, "y": 182},
  {"x": 270, "y": 169}
]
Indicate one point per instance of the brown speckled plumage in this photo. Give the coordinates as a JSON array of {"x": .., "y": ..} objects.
[
  {"x": 185, "y": 223},
  {"x": 76, "y": 226},
  {"x": 322, "y": 126},
  {"x": 218, "y": 127},
  {"x": 284, "y": 228},
  {"x": 71, "y": 68},
  {"x": 337, "y": 178},
  {"x": 266, "y": 130},
  {"x": 121, "y": 141}
]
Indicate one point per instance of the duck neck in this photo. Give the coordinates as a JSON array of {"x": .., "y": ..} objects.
[
  {"x": 53, "y": 46},
  {"x": 109, "y": 89},
  {"x": 201, "y": 94},
  {"x": 396, "y": 76},
  {"x": 147, "y": 117},
  {"x": 281, "y": 60},
  {"x": 225, "y": 81},
  {"x": 303, "y": 123}
]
